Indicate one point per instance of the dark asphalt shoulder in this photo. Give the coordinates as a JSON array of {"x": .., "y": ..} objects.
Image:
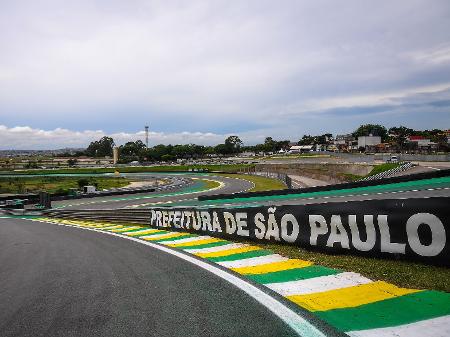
[{"x": 61, "y": 281}]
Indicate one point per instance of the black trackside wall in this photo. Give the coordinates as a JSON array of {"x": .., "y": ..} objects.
[{"x": 414, "y": 229}]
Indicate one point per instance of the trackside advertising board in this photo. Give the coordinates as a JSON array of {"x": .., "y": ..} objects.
[{"x": 414, "y": 229}]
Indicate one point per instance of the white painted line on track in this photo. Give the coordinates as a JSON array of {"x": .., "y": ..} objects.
[{"x": 297, "y": 323}]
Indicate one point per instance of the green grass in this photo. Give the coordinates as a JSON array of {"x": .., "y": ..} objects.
[
  {"x": 401, "y": 273},
  {"x": 261, "y": 183},
  {"x": 55, "y": 184},
  {"x": 382, "y": 168},
  {"x": 169, "y": 168}
]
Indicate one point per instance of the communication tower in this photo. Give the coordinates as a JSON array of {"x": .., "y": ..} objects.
[{"x": 146, "y": 136}]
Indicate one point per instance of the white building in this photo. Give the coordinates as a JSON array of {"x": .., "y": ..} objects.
[
  {"x": 365, "y": 141},
  {"x": 300, "y": 148}
]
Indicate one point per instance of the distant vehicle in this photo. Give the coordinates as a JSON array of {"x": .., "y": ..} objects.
[{"x": 393, "y": 159}]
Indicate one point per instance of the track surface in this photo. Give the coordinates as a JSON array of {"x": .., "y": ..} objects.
[
  {"x": 187, "y": 196},
  {"x": 185, "y": 193},
  {"x": 59, "y": 281}
]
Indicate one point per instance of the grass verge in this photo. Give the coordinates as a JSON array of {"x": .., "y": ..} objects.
[
  {"x": 168, "y": 168},
  {"x": 56, "y": 184},
  {"x": 382, "y": 168},
  {"x": 261, "y": 183}
]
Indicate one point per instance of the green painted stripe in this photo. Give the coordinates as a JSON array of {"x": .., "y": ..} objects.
[
  {"x": 240, "y": 256},
  {"x": 177, "y": 238},
  {"x": 392, "y": 312},
  {"x": 415, "y": 184},
  {"x": 206, "y": 245},
  {"x": 293, "y": 274}
]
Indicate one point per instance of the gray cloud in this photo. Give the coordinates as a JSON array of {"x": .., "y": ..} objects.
[{"x": 221, "y": 67}]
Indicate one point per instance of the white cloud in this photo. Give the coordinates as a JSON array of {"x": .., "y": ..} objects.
[
  {"x": 27, "y": 138},
  {"x": 246, "y": 67}
]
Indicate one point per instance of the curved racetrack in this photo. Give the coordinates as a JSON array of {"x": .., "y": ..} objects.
[{"x": 61, "y": 281}]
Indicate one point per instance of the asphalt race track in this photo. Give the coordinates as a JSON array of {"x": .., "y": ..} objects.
[
  {"x": 60, "y": 281},
  {"x": 185, "y": 193}
]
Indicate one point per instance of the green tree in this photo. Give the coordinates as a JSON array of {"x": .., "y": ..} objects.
[
  {"x": 371, "y": 129},
  {"x": 233, "y": 144},
  {"x": 307, "y": 140},
  {"x": 399, "y": 135},
  {"x": 270, "y": 145},
  {"x": 101, "y": 148}
]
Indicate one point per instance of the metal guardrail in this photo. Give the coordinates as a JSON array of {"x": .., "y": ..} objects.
[
  {"x": 139, "y": 216},
  {"x": 390, "y": 173}
]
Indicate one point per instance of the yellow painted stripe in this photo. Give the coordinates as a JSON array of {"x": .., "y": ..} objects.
[
  {"x": 349, "y": 297},
  {"x": 93, "y": 225},
  {"x": 113, "y": 227},
  {"x": 174, "y": 235},
  {"x": 273, "y": 267},
  {"x": 229, "y": 251},
  {"x": 148, "y": 231},
  {"x": 126, "y": 229},
  {"x": 194, "y": 243}
]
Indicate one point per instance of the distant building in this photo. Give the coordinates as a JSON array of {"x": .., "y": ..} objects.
[
  {"x": 343, "y": 139},
  {"x": 368, "y": 141},
  {"x": 300, "y": 148},
  {"x": 420, "y": 140}
]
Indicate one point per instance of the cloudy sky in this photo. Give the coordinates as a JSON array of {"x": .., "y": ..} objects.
[{"x": 197, "y": 71}]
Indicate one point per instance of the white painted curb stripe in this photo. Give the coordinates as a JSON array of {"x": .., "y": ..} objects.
[
  {"x": 435, "y": 327},
  {"x": 215, "y": 249},
  {"x": 318, "y": 284},
  {"x": 158, "y": 236},
  {"x": 197, "y": 238},
  {"x": 297, "y": 323},
  {"x": 253, "y": 261}
]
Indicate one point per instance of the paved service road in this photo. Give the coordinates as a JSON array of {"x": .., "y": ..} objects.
[{"x": 60, "y": 281}]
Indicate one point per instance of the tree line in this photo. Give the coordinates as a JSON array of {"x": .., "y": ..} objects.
[{"x": 137, "y": 151}]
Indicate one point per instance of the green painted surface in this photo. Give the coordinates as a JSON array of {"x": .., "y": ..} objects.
[
  {"x": 416, "y": 184},
  {"x": 240, "y": 256},
  {"x": 293, "y": 274},
  {"x": 392, "y": 312}
]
